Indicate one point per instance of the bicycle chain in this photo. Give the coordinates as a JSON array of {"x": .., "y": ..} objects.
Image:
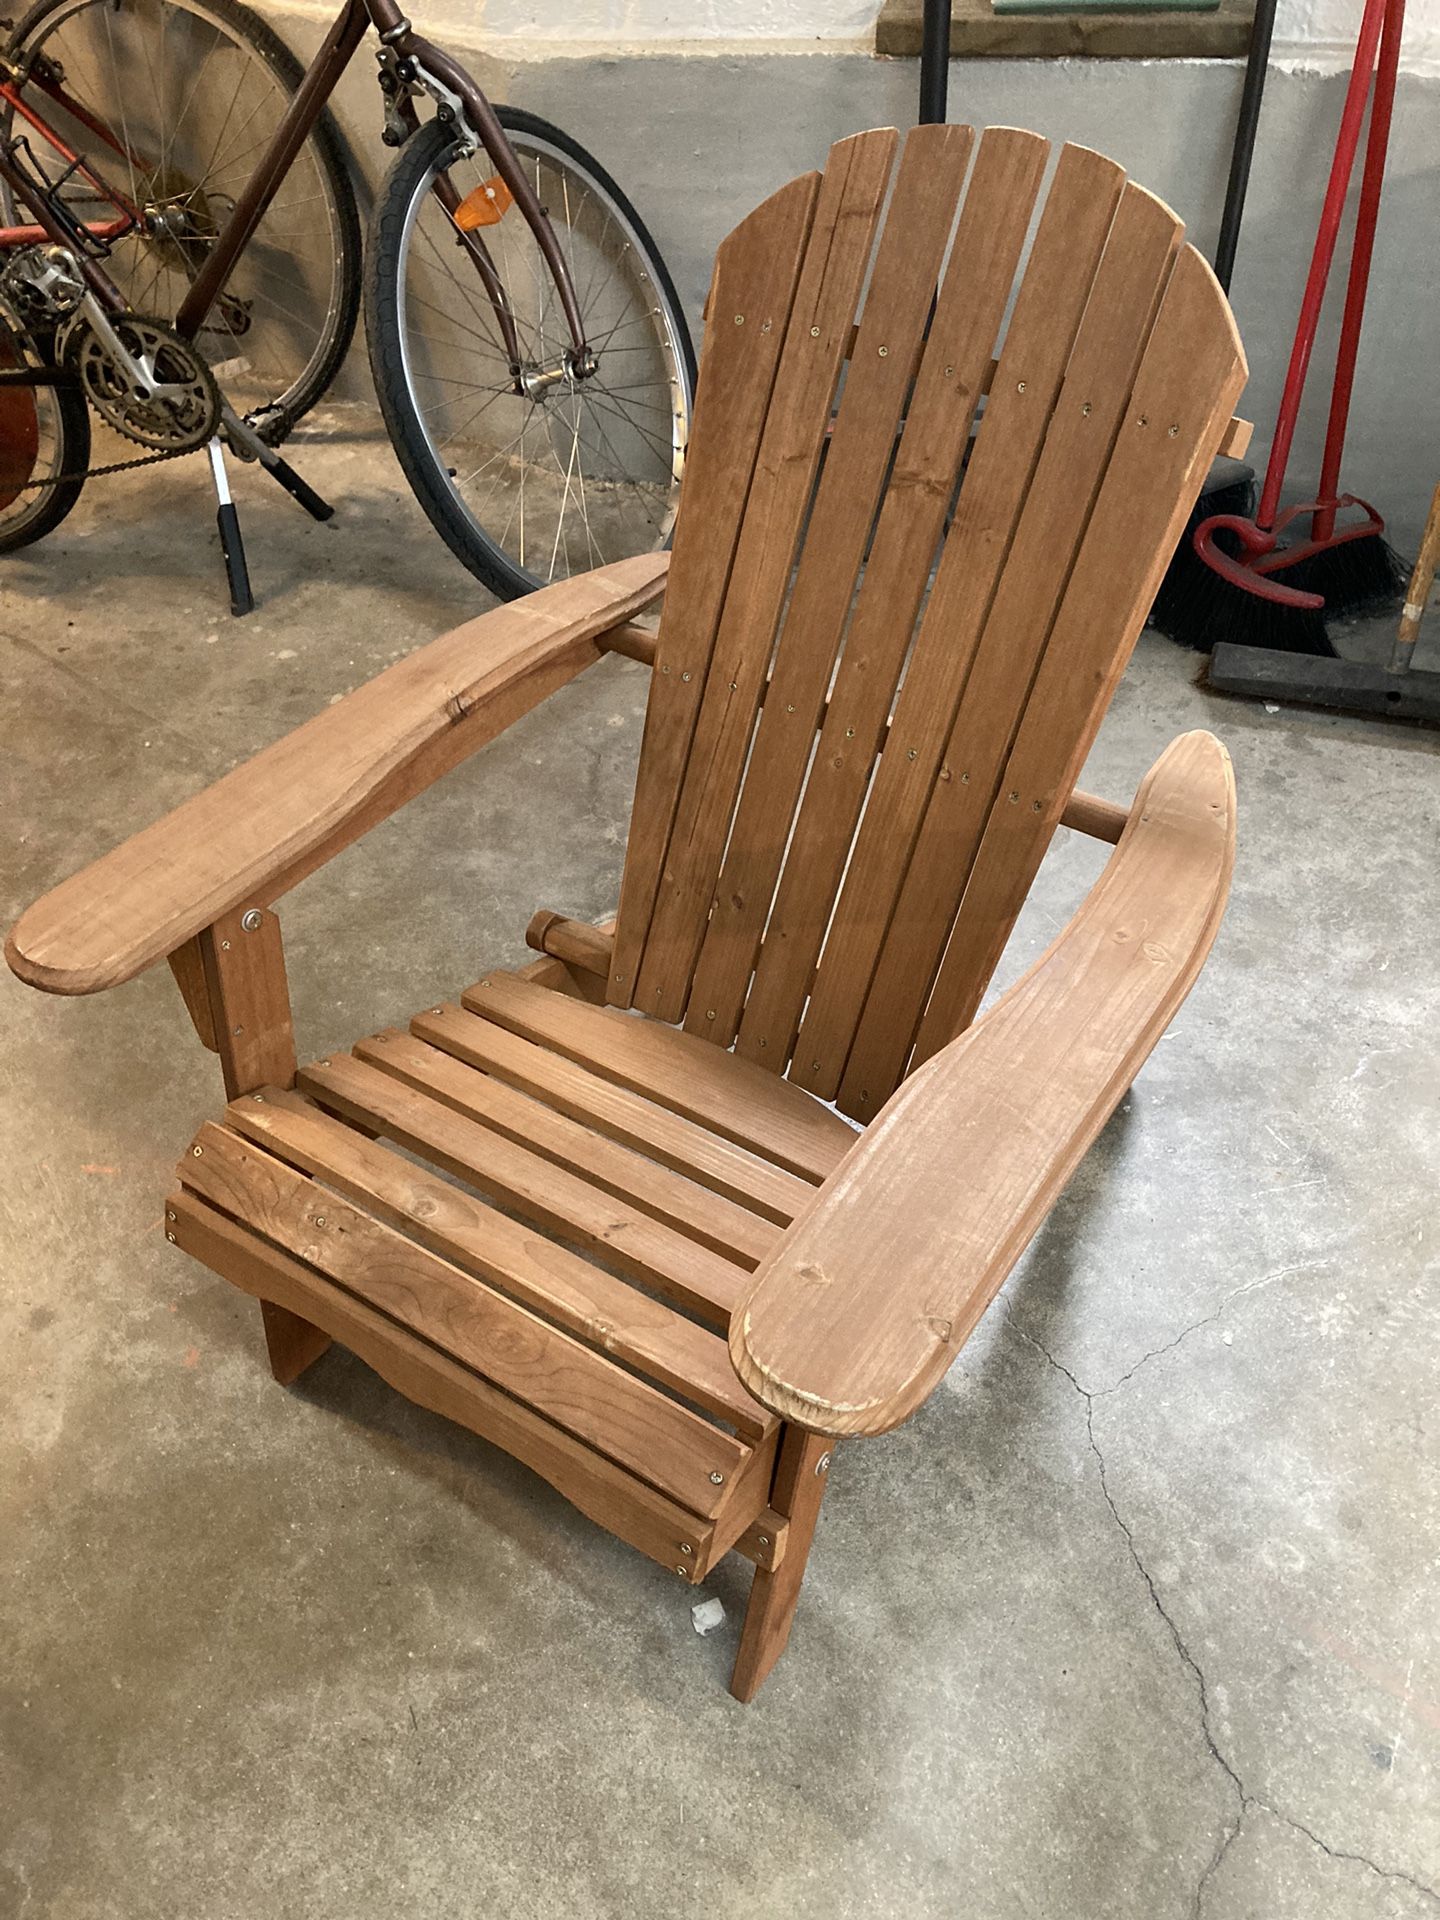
[{"x": 115, "y": 466}]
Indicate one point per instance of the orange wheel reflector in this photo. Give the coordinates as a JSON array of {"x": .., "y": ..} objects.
[{"x": 484, "y": 206}]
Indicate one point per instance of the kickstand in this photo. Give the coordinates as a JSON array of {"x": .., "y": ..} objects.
[
  {"x": 231, "y": 544},
  {"x": 247, "y": 442}
]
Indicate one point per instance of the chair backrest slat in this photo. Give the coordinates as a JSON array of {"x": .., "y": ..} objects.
[
  {"x": 842, "y": 237},
  {"x": 955, "y": 364},
  {"x": 826, "y": 891},
  {"x": 757, "y": 270},
  {"x": 927, "y": 865}
]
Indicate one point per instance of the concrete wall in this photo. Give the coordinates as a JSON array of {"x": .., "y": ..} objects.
[
  {"x": 1308, "y": 31},
  {"x": 698, "y": 139}
]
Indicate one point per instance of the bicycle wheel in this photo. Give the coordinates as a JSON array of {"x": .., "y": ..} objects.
[
  {"x": 44, "y": 432},
  {"x": 190, "y": 93},
  {"x": 528, "y": 487}
]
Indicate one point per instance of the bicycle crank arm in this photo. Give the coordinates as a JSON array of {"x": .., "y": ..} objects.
[{"x": 248, "y": 444}]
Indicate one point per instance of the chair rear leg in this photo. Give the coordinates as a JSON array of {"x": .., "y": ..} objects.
[
  {"x": 800, "y": 1476},
  {"x": 292, "y": 1343}
]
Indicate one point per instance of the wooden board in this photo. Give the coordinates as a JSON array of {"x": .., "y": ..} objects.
[
  {"x": 1193, "y": 370},
  {"x": 692, "y": 1210},
  {"x": 976, "y": 565},
  {"x": 255, "y": 833},
  {"x": 614, "y": 1499},
  {"x": 614, "y": 1111},
  {"x": 243, "y": 963},
  {"x": 847, "y": 215},
  {"x": 845, "y": 776},
  {"x": 858, "y": 455},
  {"x": 877, "y": 1287},
  {"x": 1137, "y": 262},
  {"x": 730, "y": 1097},
  {"x": 643, "y": 1332},
  {"x": 574, "y": 1386},
  {"x": 560, "y": 1201},
  {"x": 753, "y": 288},
  {"x": 954, "y": 366}
]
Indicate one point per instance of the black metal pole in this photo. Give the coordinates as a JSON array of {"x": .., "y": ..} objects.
[
  {"x": 1245, "y": 127},
  {"x": 935, "y": 60}
]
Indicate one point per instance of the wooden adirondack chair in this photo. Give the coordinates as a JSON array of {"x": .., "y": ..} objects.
[{"x": 872, "y": 695}]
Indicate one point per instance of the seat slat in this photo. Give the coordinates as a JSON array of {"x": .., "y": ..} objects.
[
  {"x": 586, "y": 1301},
  {"x": 846, "y": 216},
  {"x": 617, "y": 1113},
  {"x": 1138, "y": 259},
  {"x": 1191, "y": 378},
  {"x": 1048, "y": 308},
  {"x": 694, "y": 1211},
  {"x": 561, "y": 1202},
  {"x": 615, "y": 1499},
  {"x": 739, "y": 1101},
  {"x": 760, "y": 261},
  {"x": 581, "y": 1391}
]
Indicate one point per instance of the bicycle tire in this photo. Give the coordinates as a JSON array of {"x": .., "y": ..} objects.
[
  {"x": 72, "y": 455},
  {"x": 332, "y": 156},
  {"x": 430, "y": 479}
]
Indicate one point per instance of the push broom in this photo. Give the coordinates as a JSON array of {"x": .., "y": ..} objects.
[{"x": 1267, "y": 579}]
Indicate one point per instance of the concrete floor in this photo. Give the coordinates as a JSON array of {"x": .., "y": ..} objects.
[{"x": 1139, "y": 1618}]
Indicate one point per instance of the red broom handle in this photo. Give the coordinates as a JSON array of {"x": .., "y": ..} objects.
[
  {"x": 1367, "y": 215},
  {"x": 1340, "y": 170}
]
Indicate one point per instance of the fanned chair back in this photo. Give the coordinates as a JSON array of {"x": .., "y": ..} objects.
[{"x": 906, "y": 579}]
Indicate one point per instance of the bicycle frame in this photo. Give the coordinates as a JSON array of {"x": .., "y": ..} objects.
[{"x": 421, "y": 63}]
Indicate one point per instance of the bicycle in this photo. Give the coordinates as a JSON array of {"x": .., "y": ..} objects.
[{"x": 531, "y": 358}]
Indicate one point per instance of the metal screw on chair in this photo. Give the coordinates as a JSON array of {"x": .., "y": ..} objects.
[
  {"x": 764, "y": 1540},
  {"x": 739, "y": 319},
  {"x": 319, "y": 1219},
  {"x": 224, "y": 946},
  {"x": 717, "y": 1479},
  {"x": 169, "y": 1213},
  {"x": 814, "y": 333},
  {"x": 197, "y": 1151},
  {"x": 250, "y": 919},
  {"x": 171, "y": 1238},
  {"x": 1019, "y": 386},
  {"x": 686, "y": 1548},
  {"x": 822, "y": 1465},
  {"x": 884, "y": 353}
]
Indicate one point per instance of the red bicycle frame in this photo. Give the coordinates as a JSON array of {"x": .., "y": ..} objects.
[{"x": 422, "y": 66}]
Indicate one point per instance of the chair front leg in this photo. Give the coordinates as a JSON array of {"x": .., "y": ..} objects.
[
  {"x": 800, "y": 1475},
  {"x": 232, "y": 979}
]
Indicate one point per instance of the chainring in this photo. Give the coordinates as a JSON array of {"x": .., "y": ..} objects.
[{"x": 174, "y": 403}]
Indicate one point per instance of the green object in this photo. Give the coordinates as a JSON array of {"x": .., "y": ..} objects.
[{"x": 1105, "y": 6}]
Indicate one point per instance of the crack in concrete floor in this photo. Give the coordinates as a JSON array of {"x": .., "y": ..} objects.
[{"x": 1244, "y": 1798}]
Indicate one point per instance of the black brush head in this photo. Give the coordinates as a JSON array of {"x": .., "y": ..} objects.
[
  {"x": 1356, "y": 576},
  {"x": 1213, "y": 610},
  {"x": 1230, "y": 488}
]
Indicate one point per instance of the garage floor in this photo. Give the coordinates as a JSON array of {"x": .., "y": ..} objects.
[{"x": 1139, "y": 1618}]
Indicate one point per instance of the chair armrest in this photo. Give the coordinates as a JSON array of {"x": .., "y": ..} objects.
[
  {"x": 263, "y": 827},
  {"x": 863, "y": 1304}
]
